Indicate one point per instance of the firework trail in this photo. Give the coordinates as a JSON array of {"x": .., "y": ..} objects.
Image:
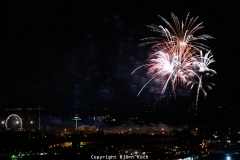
[
  {"x": 203, "y": 68},
  {"x": 177, "y": 56}
]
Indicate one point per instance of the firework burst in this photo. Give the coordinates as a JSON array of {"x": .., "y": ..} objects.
[
  {"x": 179, "y": 36},
  {"x": 177, "y": 56}
]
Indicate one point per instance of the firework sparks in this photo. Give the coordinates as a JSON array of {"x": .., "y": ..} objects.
[
  {"x": 177, "y": 56},
  {"x": 180, "y": 36}
]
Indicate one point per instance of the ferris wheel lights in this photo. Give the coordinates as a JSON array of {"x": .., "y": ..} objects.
[{"x": 19, "y": 121}]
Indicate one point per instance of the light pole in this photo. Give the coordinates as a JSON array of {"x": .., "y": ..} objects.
[
  {"x": 31, "y": 124},
  {"x": 3, "y": 122},
  {"x": 77, "y": 119}
]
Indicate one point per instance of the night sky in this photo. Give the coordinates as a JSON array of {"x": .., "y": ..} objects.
[{"x": 81, "y": 53}]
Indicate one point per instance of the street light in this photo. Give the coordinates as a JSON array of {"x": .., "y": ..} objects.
[
  {"x": 3, "y": 122},
  {"x": 13, "y": 157},
  {"x": 77, "y": 119}
]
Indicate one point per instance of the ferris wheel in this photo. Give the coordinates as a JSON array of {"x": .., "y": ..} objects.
[{"x": 13, "y": 122}]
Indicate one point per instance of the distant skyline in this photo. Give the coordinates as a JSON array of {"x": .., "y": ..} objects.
[{"x": 81, "y": 54}]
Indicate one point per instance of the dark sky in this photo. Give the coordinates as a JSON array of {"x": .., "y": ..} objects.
[{"x": 82, "y": 53}]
